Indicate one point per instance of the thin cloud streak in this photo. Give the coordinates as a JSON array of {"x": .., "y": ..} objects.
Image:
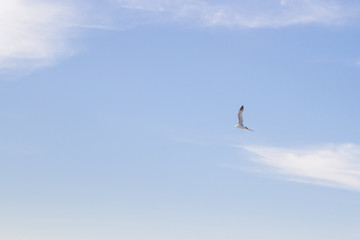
[
  {"x": 245, "y": 14},
  {"x": 331, "y": 165}
]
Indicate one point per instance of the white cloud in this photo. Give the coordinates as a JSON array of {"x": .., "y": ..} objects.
[
  {"x": 331, "y": 165},
  {"x": 244, "y": 13},
  {"x": 34, "y": 33}
]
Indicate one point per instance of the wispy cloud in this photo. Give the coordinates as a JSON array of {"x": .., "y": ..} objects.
[
  {"x": 245, "y": 14},
  {"x": 37, "y": 33},
  {"x": 34, "y": 33},
  {"x": 357, "y": 63},
  {"x": 331, "y": 165}
]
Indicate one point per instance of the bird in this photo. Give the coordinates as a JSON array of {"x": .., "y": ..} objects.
[{"x": 240, "y": 124}]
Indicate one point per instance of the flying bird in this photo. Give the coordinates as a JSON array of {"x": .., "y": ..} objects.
[{"x": 240, "y": 124}]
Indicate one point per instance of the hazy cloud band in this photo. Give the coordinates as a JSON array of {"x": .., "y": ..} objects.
[{"x": 245, "y": 14}]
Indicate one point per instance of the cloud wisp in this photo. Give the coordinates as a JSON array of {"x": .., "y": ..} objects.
[
  {"x": 34, "y": 33},
  {"x": 331, "y": 165},
  {"x": 245, "y": 14}
]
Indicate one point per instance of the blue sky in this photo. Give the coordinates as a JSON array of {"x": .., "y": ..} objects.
[{"x": 117, "y": 120}]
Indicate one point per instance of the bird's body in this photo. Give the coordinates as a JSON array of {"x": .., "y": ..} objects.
[{"x": 240, "y": 124}]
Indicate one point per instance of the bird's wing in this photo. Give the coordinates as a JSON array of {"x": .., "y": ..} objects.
[{"x": 240, "y": 115}]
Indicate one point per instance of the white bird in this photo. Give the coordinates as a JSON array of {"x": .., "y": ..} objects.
[{"x": 240, "y": 124}]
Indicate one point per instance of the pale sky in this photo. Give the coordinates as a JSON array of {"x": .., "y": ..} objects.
[{"x": 117, "y": 120}]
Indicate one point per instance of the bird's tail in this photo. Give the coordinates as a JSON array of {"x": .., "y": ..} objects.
[{"x": 250, "y": 129}]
